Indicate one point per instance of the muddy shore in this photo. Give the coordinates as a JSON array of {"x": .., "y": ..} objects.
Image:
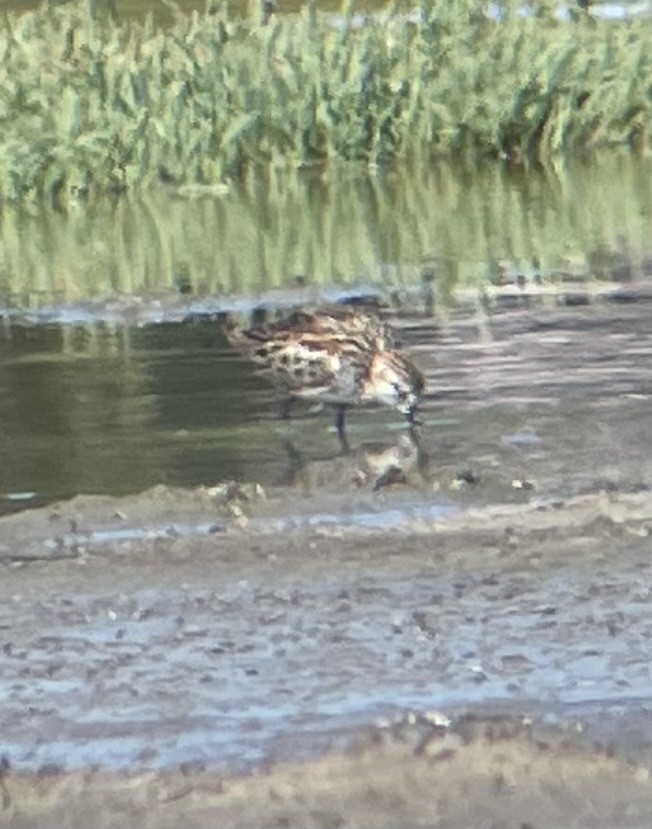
[
  {"x": 206, "y": 679},
  {"x": 462, "y": 642},
  {"x": 494, "y": 774}
]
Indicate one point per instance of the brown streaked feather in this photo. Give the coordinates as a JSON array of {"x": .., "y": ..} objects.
[
  {"x": 332, "y": 321},
  {"x": 336, "y": 355},
  {"x": 315, "y": 366}
]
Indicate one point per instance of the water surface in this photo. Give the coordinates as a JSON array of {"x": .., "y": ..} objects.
[
  {"x": 118, "y": 411},
  {"x": 355, "y": 229}
]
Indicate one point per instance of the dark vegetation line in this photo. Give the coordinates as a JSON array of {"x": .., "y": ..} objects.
[{"x": 90, "y": 104}]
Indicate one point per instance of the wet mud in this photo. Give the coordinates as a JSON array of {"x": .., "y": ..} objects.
[{"x": 447, "y": 631}]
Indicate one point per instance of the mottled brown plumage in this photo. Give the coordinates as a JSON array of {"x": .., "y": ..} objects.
[{"x": 335, "y": 356}]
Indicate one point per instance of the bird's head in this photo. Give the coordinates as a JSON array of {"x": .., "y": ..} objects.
[{"x": 395, "y": 381}]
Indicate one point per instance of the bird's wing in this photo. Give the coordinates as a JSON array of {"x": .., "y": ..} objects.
[{"x": 299, "y": 364}]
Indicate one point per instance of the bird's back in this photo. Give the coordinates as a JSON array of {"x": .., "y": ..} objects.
[
  {"x": 334, "y": 321},
  {"x": 333, "y": 355},
  {"x": 321, "y": 355}
]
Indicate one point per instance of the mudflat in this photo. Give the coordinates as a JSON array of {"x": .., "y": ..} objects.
[{"x": 448, "y": 632}]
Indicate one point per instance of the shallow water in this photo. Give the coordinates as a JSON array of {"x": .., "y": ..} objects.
[
  {"x": 99, "y": 392},
  {"x": 118, "y": 411},
  {"x": 295, "y": 237}
]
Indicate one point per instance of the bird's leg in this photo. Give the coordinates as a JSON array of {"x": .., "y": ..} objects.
[
  {"x": 410, "y": 417},
  {"x": 340, "y": 419},
  {"x": 286, "y": 406},
  {"x": 423, "y": 459}
]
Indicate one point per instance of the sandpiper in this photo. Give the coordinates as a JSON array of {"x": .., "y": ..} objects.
[{"x": 338, "y": 356}]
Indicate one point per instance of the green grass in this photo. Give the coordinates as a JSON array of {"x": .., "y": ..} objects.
[{"x": 90, "y": 106}]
